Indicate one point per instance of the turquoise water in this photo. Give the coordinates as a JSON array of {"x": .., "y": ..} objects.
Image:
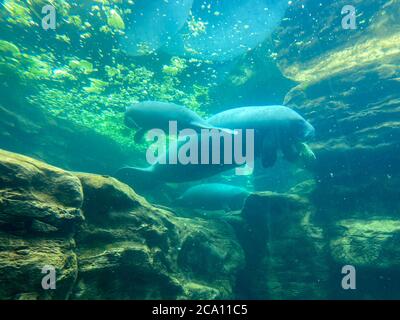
[{"x": 323, "y": 192}]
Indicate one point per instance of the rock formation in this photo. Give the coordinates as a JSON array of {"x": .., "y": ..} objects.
[{"x": 104, "y": 240}]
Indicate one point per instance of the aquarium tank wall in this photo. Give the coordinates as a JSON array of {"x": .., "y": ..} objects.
[{"x": 199, "y": 149}]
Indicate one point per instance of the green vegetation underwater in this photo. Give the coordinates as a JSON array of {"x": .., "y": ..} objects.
[{"x": 84, "y": 216}]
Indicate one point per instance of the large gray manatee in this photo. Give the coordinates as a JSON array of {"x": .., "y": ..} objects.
[{"x": 275, "y": 128}]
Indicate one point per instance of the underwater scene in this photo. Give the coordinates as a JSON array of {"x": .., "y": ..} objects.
[{"x": 199, "y": 149}]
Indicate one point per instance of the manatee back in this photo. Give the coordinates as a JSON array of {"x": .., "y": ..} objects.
[
  {"x": 199, "y": 197},
  {"x": 155, "y": 114},
  {"x": 214, "y": 196},
  {"x": 258, "y": 117}
]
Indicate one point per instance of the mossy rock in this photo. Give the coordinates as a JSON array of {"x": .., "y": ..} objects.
[
  {"x": 371, "y": 243},
  {"x": 104, "y": 240},
  {"x": 33, "y": 191},
  {"x": 21, "y": 263}
]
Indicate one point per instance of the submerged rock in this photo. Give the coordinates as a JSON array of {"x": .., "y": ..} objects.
[
  {"x": 104, "y": 240},
  {"x": 107, "y": 242},
  {"x": 291, "y": 253},
  {"x": 367, "y": 243},
  {"x": 286, "y": 256},
  {"x": 371, "y": 246},
  {"x": 39, "y": 209},
  {"x": 34, "y": 194},
  {"x": 21, "y": 263},
  {"x": 348, "y": 89},
  {"x": 164, "y": 256}
]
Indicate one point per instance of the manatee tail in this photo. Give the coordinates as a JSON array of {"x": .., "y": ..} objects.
[{"x": 138, "y": 178}]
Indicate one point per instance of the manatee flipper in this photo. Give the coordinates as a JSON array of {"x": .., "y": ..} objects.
[
  {"x": 139, "y": 135},
  {"x": 306, "y": 153},
  {"x": 138, "y": 178},
  {"x": 306, "y": 156},
  {"x": 269, "y": 153}
]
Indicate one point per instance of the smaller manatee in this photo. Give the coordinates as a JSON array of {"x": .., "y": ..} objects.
[
  {"x": 148, "y": 115},
  {"x": 214, "y": 196}
]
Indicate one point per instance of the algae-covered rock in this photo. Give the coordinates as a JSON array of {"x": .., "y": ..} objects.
[
  {"x": 103, "y": 193},
  {"x": 371, "y": 246},
  {"x": 124, "y": 237},
  {"x": 312, "y": 43},
  {"x": 348, "y": 89},
  {"x": 39, "y": 209},
  {"x": 21, "y": 263},
  {"x": 371, "y": 243},
  {"x": 104, "y": 241},
  {"x": 286, "y": 255},
  {"x": 210, "y": 245},
  {"x": 33, "y": 191}
]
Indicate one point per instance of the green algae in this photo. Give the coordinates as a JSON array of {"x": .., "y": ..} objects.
[
  {"x": 8, "y": 48},
  {"x": 18, "y": 14},
  {"x": 96, "y": 86},
  {"x": 100, "y": 105},
  {"x": 83, "y": 66},
  {"x": 196, "y": 26},
  {"x": 176, "y": 67},
  {"x": 370, "y": 51},
  {"x": 90, "y": 89},
  {"x": 115, "y": 21},
  {"x": 367, "y": 243}
]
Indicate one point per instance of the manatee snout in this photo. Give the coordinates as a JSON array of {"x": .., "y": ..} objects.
[
  {"x": 129, "y": 122},
  {"x": 128, "y": 118}
]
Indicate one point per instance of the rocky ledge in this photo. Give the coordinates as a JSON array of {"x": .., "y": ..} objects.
[
  {"x": 347, "y": 87},
  {"x": 106, "y": 242}
]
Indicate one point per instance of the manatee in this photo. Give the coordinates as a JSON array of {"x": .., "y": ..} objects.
[
  {"x": 148, "y": 115},
  {"x": 145, "y": 178},
  {"x": 213, "y": 196},
  {"x": 168, "y": 173},
  {"x": 275, "y": 128}
]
